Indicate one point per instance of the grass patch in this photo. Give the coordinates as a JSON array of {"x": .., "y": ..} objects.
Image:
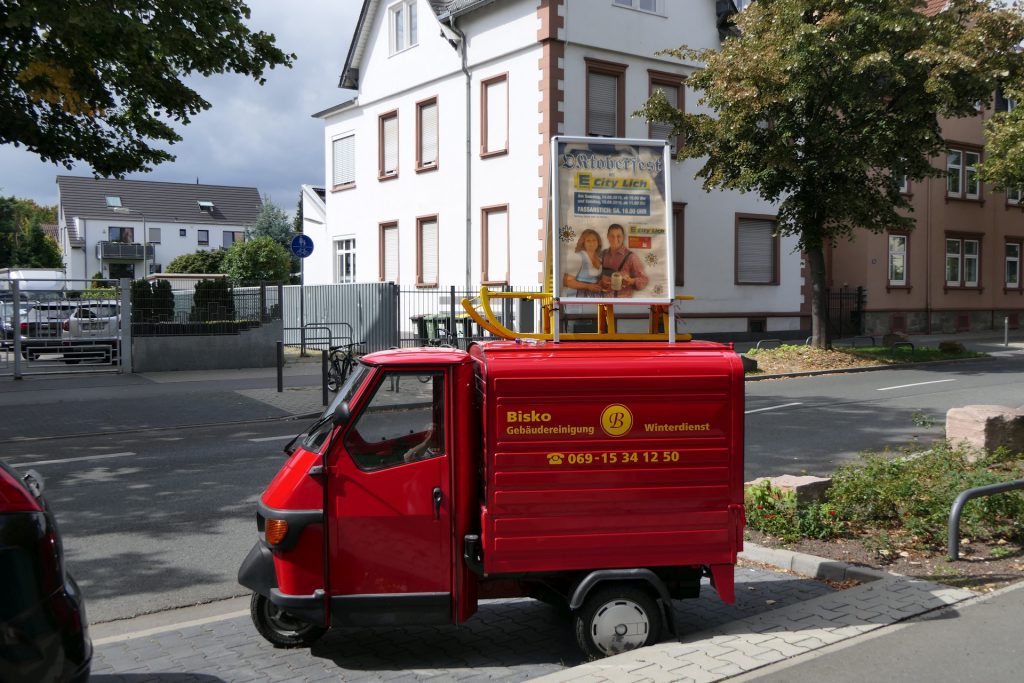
[{"x": 902, "y": 354}]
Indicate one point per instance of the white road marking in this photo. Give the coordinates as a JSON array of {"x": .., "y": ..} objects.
[
  {"x": 918, "y": 384},
  {"x": 761, "y": 410},
  {"x": 274, "y": 438},
  {"x": 167, "y": 627},
  {"x": 33, "y": 463}
]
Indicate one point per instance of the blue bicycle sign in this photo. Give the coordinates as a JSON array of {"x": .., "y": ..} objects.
[{"x": 302, "y": 246}]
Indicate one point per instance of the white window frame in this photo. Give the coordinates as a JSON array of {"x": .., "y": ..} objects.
[
  {"x": 963, "y": 254},
  {"x": 403, "y": 28},
  {"x": 427, "y": 251},
  {"x": 898, "y": 254},
  {"x": 1012, "y": 262},
  {"x": 649, "y": 6},
  {"x": 343, "y": 161},
  {"x": 962, "y": 181},
  {"x": 345, "y": 260},
  {"x": 494, "y": 245}
]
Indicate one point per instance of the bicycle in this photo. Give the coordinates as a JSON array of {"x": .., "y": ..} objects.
[{"x": 341, "y": 360}]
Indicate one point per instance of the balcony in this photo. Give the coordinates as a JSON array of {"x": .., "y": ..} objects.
[{"x": 124, "y": 251}]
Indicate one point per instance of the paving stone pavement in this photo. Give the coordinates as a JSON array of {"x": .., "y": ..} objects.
[{"x": 508, "y": 640}]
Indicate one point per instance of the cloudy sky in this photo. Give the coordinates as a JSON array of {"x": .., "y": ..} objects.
[{"x": 252, "y": 136}]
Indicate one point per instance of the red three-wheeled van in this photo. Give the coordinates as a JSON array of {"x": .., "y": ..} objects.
[{"x": 604, "y": 475}]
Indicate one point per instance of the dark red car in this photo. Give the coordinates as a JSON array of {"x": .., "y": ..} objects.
[{"x": 44, "y": 635}]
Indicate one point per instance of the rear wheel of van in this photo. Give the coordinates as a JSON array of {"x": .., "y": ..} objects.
[
  {"x": 617, "y": 618},
  {"x": 279, "y": 627}
]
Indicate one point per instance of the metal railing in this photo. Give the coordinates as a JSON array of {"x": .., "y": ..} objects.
[{"x": 958, "y": 507}]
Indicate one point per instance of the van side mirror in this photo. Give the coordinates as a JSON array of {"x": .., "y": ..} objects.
[{"x": 340, "y": 415}]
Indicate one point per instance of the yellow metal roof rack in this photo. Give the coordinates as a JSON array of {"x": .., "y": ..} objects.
[{"x": 661, "y": 325}]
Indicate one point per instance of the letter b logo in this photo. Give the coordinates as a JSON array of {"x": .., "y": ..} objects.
[{"x": 616, "y": 420}]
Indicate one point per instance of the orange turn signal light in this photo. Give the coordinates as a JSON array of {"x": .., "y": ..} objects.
[{"x": 276, "y": 530}]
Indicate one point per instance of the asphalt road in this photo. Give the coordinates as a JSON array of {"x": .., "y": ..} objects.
[
  {"x": 815, "y": 424},
  {"x": 159, "y": 519}
]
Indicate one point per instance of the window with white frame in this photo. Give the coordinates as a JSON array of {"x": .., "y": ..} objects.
[
  {"x": 1013, "y": 250},
  {"x": 426, "y": 134},
  {"x": 757, "y": 251},
  {"x": 672, "y": 87},
  {"x": 426, "y": 251},
  {"x": 642, "y": 5},
  {"x": 345, "y": 260},
  {"x": 897, "y": 260},
  {"x": 344, "y": 160},
  {"x": 1013, "y": 196},
  {"x": 494, "y": 104},
  {"x": 388, "y": 151},
  {"x": 402, "y": 25},
  {"x": 962, "y": 174},
  {"x": 495, "y": 245},
  {"x": 605, "y": 99},
  {"x": 202, "y": 237},
  {"x": 154, "y": 235},
  {"x": 963, "y": 262},
  {"x": 389, "y": 252}
]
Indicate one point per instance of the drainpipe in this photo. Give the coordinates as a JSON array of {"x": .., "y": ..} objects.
[{"x": 469, "y": 151}]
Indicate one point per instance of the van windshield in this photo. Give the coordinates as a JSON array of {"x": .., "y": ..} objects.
[{"x": 317, "y": 434}]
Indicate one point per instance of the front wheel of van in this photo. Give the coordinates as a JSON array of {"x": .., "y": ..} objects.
[
  {"x": 279, "y": 627},
  {"x": 617, "y": 618}
]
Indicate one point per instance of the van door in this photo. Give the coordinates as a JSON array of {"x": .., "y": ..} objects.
[{"x": 388, "y": 506}]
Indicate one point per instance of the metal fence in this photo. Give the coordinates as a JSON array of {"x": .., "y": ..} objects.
[
  {"x": 846, "y": 312},
  {"x": 59, "y": 325},
  {"x": 382, "y": 316},
  {"x": 201, "y": 306}
]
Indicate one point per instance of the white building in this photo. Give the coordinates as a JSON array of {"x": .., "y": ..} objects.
[
  {"x": 133, "y": 228},
  {"x": 437, "y": 171}
]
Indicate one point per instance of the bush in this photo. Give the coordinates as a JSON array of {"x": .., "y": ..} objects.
[
  {"x": 907, "y": 499},
  {"x": 213, "y": 300}
]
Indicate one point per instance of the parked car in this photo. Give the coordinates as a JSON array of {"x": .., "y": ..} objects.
[
  {"x": 44, "y": 634},
  {"x": 7, "y": 321},
  {"x": 42, "y": 327},
  {"x": 93, "y": 330}
]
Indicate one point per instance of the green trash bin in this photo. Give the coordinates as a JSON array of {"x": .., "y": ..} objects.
[
  {"x": 432, "y": 321},
  {"x": 421, "y": 329}
]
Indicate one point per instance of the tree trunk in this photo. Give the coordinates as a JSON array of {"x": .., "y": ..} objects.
[{"x": 820, "y": 337}]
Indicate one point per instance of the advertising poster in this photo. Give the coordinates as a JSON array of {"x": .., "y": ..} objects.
[{"x": 612, "y": 233}]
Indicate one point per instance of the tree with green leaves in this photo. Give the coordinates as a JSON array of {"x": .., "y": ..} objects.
[
  {"x": 204, "y": 261},
  {"x": 256, "y": 261},
  {"x": 824, "y": 105},
  {"x": 22, "y": 241},
  {"x": 1004, "y": 144},
  {"x": 99, "y": 82},
  {"x": 297, "y": 221},
  {"x": 273, "y": 222}
]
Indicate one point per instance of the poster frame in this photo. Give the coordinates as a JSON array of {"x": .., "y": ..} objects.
[{"x": 557, "y": 202}]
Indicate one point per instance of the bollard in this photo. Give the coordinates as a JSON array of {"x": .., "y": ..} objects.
[
  {"x": 280, "y": 367},
  {"x": 323, "y": 374},
  {"x": 1006, "y": 330}
]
